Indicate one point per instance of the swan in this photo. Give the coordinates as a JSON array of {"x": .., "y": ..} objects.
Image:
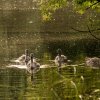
[
  {"x": 32, "y": 65},
  {"x": 92, "y": 62},
  {"x": 60, "y": 59},
  {"x": 24, "y": 59}
]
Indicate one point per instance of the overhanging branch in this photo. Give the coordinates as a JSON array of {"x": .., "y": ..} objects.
[
  {"x": 90, "y": 31},
  {"x": 92, "y": 34},
  {"x": 84, "y": 31},
  {"x": 92, "y": 5}
]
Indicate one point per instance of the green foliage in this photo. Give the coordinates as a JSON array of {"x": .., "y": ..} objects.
[
  {"x": 83, "y": 1},
  {"x": 83, "y": 5},
  {"x": 50, "y": 6}
]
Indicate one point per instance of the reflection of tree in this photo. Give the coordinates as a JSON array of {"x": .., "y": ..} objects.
[
  {"x": 18, "y": 4},
  {"x": 24, "y": 21}
]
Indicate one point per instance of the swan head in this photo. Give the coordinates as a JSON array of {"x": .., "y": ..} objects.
[
  {"x": 31, "y": 56},
  {"x": 26, "y": 51}
]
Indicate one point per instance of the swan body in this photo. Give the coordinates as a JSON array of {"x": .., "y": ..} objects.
[
  {"x": 93, "y": 62},
  {"x": 32, "y": 65},
  {"x": 24, "y": 59},
  {"x": 60, "y": 59}
]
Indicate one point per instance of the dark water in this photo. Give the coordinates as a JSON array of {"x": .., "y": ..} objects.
[{"x": 71, "y": 83}]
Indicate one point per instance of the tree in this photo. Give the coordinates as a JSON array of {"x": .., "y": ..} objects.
[{"x": 48, "y": 7}]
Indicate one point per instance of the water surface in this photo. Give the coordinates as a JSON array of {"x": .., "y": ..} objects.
[{"x": 71, "y": 83}]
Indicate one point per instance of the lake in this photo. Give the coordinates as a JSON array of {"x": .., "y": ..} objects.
[{"x": 73, "y": 82}]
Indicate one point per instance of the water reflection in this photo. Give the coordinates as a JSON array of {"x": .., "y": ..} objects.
[
  {"x": 49, "y": 84},
  {"x": 12, "y": 83}
]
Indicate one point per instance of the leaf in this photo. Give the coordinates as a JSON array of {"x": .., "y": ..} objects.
[{"x": 81, "y": 11}]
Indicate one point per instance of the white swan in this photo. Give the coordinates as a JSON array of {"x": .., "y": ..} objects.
[
  {"x": 32, "y": 65},
  {"x": 24, "y": 59},
  {"x": 92, "y": 62}
]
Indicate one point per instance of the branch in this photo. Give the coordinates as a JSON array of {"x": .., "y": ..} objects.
[
  {"x": 84, "y": 31},
  {"x": 92, "y": 34},
  {"x": 92, "y": 5},
  {"x": 90, "y": 31}
]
